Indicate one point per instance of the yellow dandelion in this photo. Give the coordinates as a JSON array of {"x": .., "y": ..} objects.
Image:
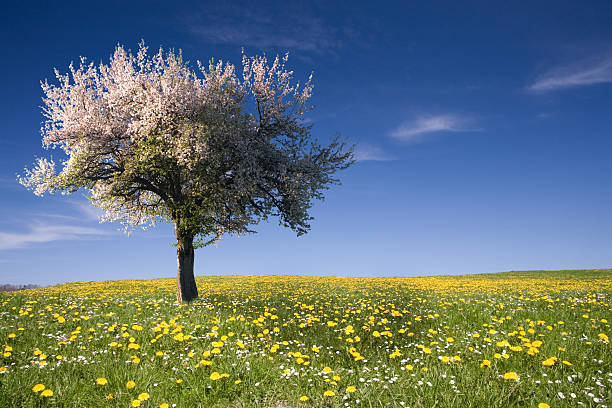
[
  {"x": 136, "y": 403},
  {"x": 101, "y": 381},
  {"x": 351, "y": 388},
  {"x": 38, "y": 388},
  {"x": 329, "y": 393},
  {"x": 511, "y": 376},
  {"x": 130, "y": 384},
  {"x": 303, "y": 398},
  {"x": 143, "y": 396},
  {"x": 46, "y": 393}
]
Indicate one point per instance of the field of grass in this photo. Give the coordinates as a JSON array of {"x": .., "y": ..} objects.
[{"x": 517, "y": 339}]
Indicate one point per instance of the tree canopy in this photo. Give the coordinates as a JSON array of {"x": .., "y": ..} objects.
[{"x": 211, "y": 151}]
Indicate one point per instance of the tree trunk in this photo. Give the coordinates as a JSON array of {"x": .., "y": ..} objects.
[{"x": 186, "y": 289}]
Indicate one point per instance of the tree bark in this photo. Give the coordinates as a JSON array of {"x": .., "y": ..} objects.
[{"x": 186, "y": 289}]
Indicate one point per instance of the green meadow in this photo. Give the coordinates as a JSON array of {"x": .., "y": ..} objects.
[{"x": 516, "y": 339}]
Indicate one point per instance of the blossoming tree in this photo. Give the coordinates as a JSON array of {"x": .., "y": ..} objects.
[{"x": 212, "y": 152}]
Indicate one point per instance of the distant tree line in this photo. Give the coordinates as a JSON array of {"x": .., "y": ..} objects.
[{"x": 9, "y": 288}]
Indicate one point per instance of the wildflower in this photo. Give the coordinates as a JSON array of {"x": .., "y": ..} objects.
[
  {"x": 38, "y": 388},
  {"x": 485, "y": 364},
  {"x": 46, "y": 393},
  {"x": 143, "y": 396},
  {"x": 110, "y": 396},
  {"x": 163, "y": 405},
  {"x": 136, "y": 403},
  {"x": 351, "y": 388},
  {"x": 130, "y": 384},
  {"x": 327, "y": 370},
  {"x": 329, "y": 393},
  {"x": 303, "y": 398},
  {"x": 543, "y": 405},
  {"x": 511, "y": 376},
  {"x": 101, "y": 381},
  {"x": 215, "y": 376}
]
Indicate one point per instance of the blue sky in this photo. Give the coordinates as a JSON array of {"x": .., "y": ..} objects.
[{"x": 483, "y": 134}]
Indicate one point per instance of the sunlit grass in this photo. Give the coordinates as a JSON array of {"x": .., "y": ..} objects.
[{"x": 498, "y": 340}]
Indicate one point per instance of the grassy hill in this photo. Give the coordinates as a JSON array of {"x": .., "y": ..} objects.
[{"x": 512, "y": 339}]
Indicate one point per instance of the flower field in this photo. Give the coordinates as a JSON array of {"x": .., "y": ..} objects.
[{"x": 520, "y": 339}]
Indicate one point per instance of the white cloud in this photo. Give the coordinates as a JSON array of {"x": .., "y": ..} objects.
[
  {"x": 85, "y": 212},
  {"x": 88, "y": 210},
  {"x": 366, "y": 152},
  {"x": 578, "y": 74},
  {"x": 296, "y": 28},
  {"x": 42, "y": 233},
  {"x": 411, "y": 130}
]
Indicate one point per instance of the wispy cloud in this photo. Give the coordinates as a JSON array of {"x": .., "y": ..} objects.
[
  {"x": 294, "y": 27},
  {"x": 42, "y": 233},
  {"x": 413, "y": 129},
  {"x": 10, "y": 183},
  {"x": 88, "y": 210},
  {"x": 590, "y": 72},
  {"x": 85, "y": 211},
  {"x": 366, "y": 152}
]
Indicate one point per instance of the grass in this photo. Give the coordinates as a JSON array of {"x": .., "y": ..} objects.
[{"x": 274, "y": 341}]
